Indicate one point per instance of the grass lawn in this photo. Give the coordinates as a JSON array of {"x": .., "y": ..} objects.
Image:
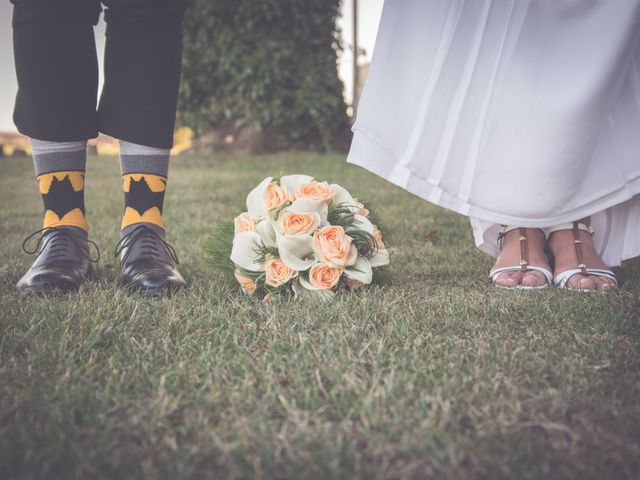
[{"x": 434, "y": 374}]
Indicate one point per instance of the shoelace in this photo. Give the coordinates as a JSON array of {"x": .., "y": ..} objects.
[
  {"x": 58, "y": 238},
  {"x": 148, "y": 237}
]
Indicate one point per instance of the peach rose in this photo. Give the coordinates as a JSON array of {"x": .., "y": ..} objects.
[
  {"x": 277, "y": 273},
  {"x": 275, "y": 196},
  {"x": 334, "y": 246},
  {"x": 244, "y": 223},
  {"x": 247, "y": 284},
  {"x": 323, "y": 276},
  {"x": 314, "y": 190},
  {"x": 360, "y": 210},
  {"x": 377, "y": 234},
  {"x": 298, "y": 223}
]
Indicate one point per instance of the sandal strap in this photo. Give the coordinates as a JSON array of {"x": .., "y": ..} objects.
[
  {"x": 575, "y": 228},
  {"x": 524, "y": 249},
  {"x": 524, "y": 244},
  {"x": 562, "y": 279},
  {"x": 516, "y": 268}
]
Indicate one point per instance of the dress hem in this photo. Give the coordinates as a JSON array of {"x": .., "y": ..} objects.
[
  {"x": 389, "y": 168},
  {"x": 438, "y": 196}
]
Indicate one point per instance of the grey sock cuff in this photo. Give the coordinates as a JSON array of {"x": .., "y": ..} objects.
[
  {"x": 45, "y": 146},
  {"x": 128, "y": 148},
  {"x": 154, "y": 164},
  {"x": 136, "y": 158},
  {"x": 60, "y": 161}
]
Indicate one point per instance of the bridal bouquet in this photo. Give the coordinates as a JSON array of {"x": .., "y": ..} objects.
[{"x": 304, "y": 236}]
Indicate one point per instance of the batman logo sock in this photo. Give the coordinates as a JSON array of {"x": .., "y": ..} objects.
[
  {"x": 60, "y": 170},
  {"x": 143, "y": 199},
  {"x": 144, "y": 180}
]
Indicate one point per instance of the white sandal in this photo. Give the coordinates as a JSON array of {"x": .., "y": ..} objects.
[
  {"x": 524, "y": 262},
  {"x": 562, "y": 279}
]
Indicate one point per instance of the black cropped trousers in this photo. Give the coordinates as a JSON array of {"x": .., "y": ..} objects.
[{"x": 57, "y": 69}]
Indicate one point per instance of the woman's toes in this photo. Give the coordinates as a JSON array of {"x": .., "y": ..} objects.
[
  {"x": 580, "y": 282},
  {"x": 533, "y": 279},
  {"x": 603, "y": 284},
  {"x": 509, "y": 279}
]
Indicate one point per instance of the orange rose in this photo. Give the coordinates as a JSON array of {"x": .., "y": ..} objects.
[
  {"x": 277, "y": 273},
  {"x": 323, "y": 276},
  {"x": 298, "y": 223},
  {"x": 244, "y": 223},
  {"x": 247, "y": 284},
  {"x": 377, "y": 234},
  {"x": 314, "y": 190},
  {"x": 360, "y": 210},
  {"x": 275, "y": 196},
  {"x": 334, "y": 246}
]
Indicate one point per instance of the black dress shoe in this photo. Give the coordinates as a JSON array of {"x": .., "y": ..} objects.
[
  {"x": 147, "y": 261},
  {"x": 62, "y": 260}
]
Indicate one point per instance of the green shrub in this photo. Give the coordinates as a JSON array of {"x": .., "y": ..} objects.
[{"x": 265, "y": 65}]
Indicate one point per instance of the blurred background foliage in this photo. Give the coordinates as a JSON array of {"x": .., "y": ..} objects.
[{"x": 266, "y": 66}]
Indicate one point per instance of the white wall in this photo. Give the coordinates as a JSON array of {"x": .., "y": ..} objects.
[{"x": 369, "y": 12}]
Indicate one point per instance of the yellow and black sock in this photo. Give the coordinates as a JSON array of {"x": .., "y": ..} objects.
[
  {"x": 144, "y": 180},
  {"x": 143, "y": 199},
  {"x": 63, "y": 198},
  {"x": 60, "y": 170}
]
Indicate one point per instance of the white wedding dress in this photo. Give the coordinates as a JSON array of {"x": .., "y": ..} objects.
[{"x": 518, "y": 112}]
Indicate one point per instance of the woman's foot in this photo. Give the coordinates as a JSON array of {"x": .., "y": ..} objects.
[
  {"x": 562, "y": 247},
  {"x": 511, "y": 254}
]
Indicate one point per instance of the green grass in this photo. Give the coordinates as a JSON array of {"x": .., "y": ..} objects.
[{"x": 434, "y": 374}]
